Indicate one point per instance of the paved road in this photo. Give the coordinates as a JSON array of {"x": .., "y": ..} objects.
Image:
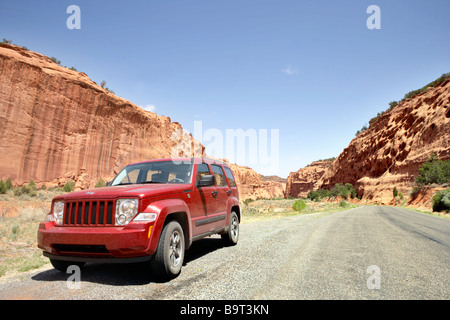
[{"x": 364, "y": 253}]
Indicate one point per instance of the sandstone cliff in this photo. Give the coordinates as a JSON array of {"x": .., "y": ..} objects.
[
  {"x": 301, "y": 182},
  {"x": 253, "y": 186},
  {"x": 58, "y": 124},
  {"x": 389, "y": 153}
]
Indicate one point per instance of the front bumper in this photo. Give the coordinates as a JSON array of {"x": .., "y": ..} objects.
[{"x": 116, "y": 243}]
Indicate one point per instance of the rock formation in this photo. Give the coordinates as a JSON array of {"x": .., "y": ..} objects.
[
  {"x": 301, "y": 182},
  {"x": 253, "y": 186},
  {"x": 389, "y": 153},
  {"x": 58, "y": 124}
]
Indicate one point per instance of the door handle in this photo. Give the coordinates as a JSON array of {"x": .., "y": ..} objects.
[
  {"x": 228, "y": 192},
  {"x": 215, "y": 193}
]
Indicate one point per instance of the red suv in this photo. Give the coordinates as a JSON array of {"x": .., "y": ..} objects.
[{"x": 151, "y": 211}]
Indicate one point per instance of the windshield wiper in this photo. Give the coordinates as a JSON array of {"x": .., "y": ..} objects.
[
  {"x": 123, "y": 183},
  {"x": 152, "y": 182}
]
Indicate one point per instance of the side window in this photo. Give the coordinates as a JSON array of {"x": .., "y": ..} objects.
[
  {"x": 203, "y": 170},
  {"x": 230, "y": 177},
  {"x": 218, "y": 174}
]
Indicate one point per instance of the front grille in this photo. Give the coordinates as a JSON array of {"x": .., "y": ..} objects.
[{"x": 89, "y": 213}]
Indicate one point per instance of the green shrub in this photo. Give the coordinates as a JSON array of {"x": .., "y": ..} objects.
[
  {"x": 9, "y": 185},
  {"x": 32, "y": 185},
  {"x": 25, "y": 190},
  {"x": 313, "y": 195},
  {"x": 434, "y": 171},
  {"x": 69, "y": 186},
  {"x": 441, "y": 201},
  {"x": 344, "y": 191},
  {"x": 100, "y": 183},
  {"x": 3, "y": 187},
  {"x": 395, "y": 192},
  {"x": 343, "y": 204},
  {"x": 299, "y": 205}
]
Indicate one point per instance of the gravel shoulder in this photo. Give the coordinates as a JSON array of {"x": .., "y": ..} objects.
[{"x": 313, "y": 256}]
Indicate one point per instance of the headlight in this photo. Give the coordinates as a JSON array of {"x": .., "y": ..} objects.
[
  {"x": 126, "y": 209},
  {"x": 58, "y": 212}
]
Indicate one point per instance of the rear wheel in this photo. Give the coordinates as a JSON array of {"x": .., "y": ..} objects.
[
  {"x": 169, "y": 256},
  {"x": 232, "y": 236}
]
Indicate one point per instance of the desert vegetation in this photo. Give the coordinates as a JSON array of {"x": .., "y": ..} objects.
[
  {"x": 434, "y": 172},
  {"x": 407, "y": 96},
  {"x": 343, "y": 190}
]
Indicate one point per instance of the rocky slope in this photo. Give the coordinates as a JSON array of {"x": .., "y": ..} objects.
[
  {"x": 59, "y": 124},
  {"x": 389, "y": 153},
  {"x": 301, "y": 182},
  {"x": 253, "y": 186}
]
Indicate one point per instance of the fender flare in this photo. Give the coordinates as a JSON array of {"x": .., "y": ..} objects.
[{"x": 163, "y": 209}]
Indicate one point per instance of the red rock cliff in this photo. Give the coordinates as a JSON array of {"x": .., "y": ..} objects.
[
  {"x": 390, "y": 152},
  {"x": 301, "y": 182},
  {"x": 56, "y": 122}
]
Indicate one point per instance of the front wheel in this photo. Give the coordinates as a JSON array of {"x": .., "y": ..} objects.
[
  {"x": 169, "y": 256},
  {"x": 232, "y": 236}
]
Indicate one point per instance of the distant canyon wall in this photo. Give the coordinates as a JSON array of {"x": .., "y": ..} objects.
[{"x": 389, "y": 153}]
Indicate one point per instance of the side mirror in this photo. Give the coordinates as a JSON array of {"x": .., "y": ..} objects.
[
  {"x": 207, "y": 180},
  {"x": 108, "y": 183}
]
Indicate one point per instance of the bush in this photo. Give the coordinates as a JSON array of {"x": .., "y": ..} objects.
[
  {"x": 9, "y": 185},
  {"x": 313, "y": 195},
  {"x": 69, "y": 186},
  {"x": 343, "y": 204},
  {"x": 32, "y": 185},
  {"x": 434, "y": 171},
  {"x": 25, "y": 190},
  {"x": 299, "y": 205},
  {"x": 395, "y": 192},
  {"x": 3, "y": 187},
  {"x": 344, "y": 191},
  {"x": 441, "y": 201},
  {"x": 100, "y": 183}
]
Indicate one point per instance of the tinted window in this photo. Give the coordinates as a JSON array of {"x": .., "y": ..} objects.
[
  {"x": 230, "y": 177},
  {"x": 203, "y": 170},
  {"x": 218, "y": 174}
]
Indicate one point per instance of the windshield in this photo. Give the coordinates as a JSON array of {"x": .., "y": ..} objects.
[{"x": 155, "y": 172}]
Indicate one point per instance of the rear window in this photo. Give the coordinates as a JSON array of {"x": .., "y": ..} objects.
[
  {"x": 230, "y": 177},
  {"x": 218, "y": 174}
]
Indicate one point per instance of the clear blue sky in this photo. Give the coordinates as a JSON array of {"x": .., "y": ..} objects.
[{"x": 311, "y": 69}]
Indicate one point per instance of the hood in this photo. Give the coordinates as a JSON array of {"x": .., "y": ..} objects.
[{"x": 124, "y": 191}]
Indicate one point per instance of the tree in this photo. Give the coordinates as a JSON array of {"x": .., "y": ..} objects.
[
  {"x": 103, "y": 84},
  {"x": 395, "y": 192},
  {"x": 433, "y": 170}
]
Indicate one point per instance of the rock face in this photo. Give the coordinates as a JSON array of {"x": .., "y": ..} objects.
[
  {"x": 59, "y": 124},
  {"x": 253, "y": 186},
  {"x": 301, "y": 182},
  {"x": 389, "y": 153}
]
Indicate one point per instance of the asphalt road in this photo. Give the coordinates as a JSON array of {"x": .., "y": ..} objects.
[{"x": 364, "y": 253}]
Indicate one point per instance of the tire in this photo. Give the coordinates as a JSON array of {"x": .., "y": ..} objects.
[
  {"x": 232, "y": 236},
  {"x": 166, "y": 263},
  {"x": 62, "y": 266}
]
